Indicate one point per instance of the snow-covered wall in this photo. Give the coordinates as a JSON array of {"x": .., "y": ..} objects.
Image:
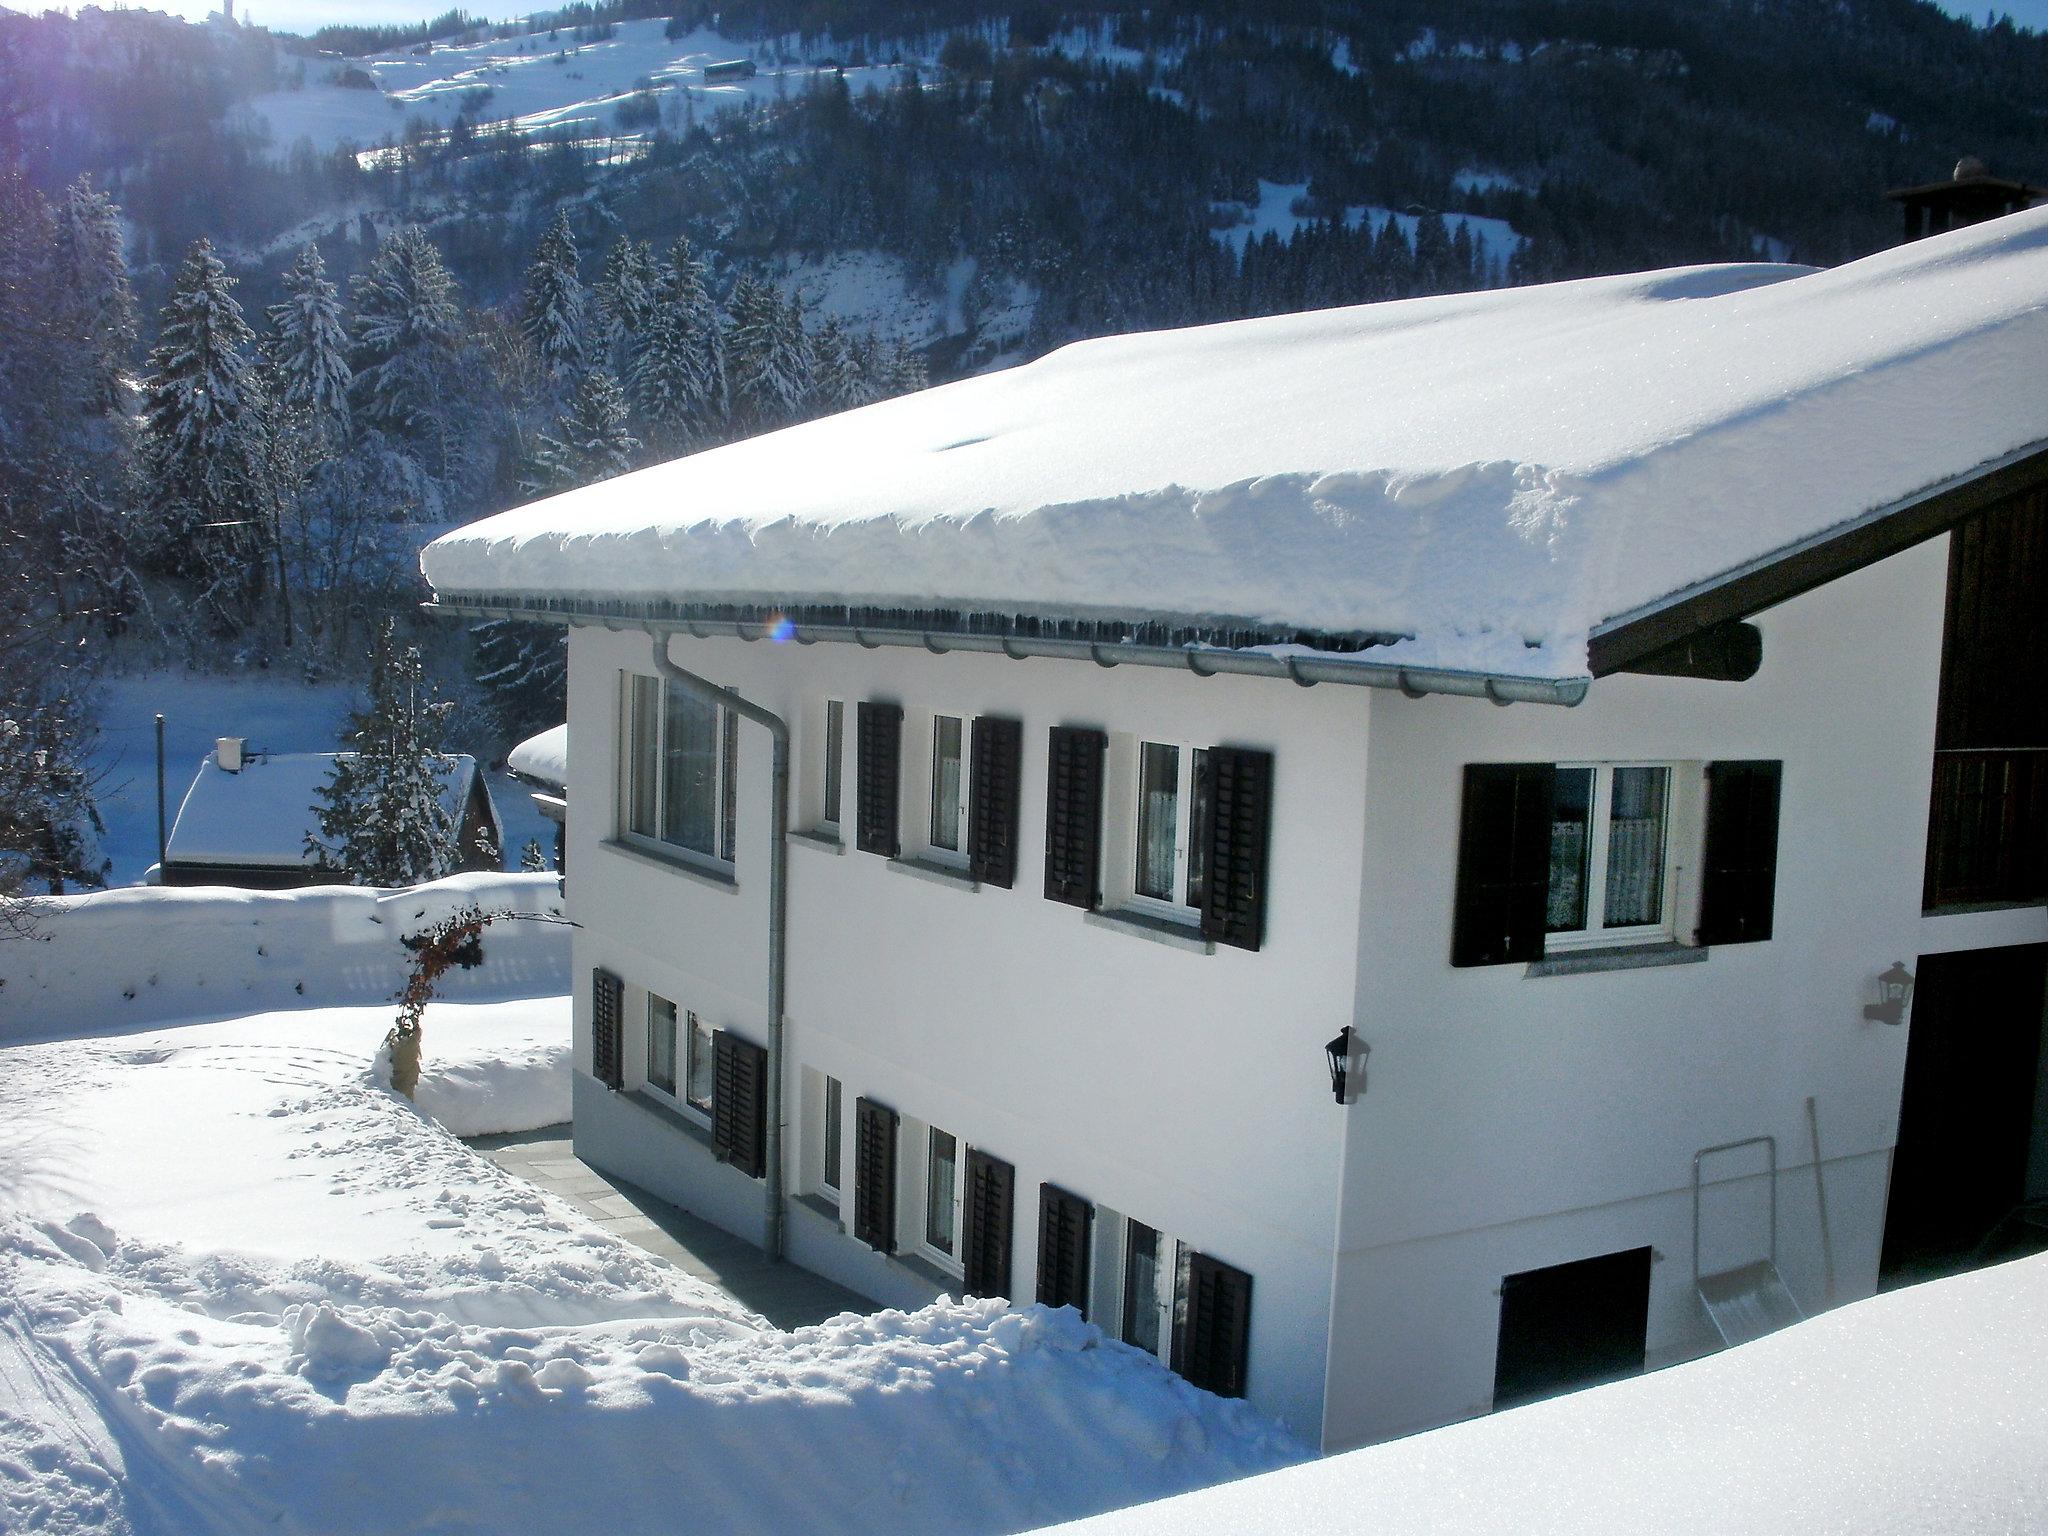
[{"x": 148, "y": 955}]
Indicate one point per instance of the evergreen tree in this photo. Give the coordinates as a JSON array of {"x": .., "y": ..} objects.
[
  {"x": 551, "y": 313},
  {"x": 903, "y": 371},
  {"x": 206, "y": 424},
  {"x": 309, "y": 352},
  {"x": 769, "y": 356},
  {"x": 679, "y": 377},
  {"x": 523, "y": 670},
  {"x": 840, "y": 381},
  {"x": 381, "y": 813},
  {"x": 590, "y": 441},
  {"x": 89, "y": 272},
  {"x": 625, "y": 300},
  {"x": 404, "y": 338}
]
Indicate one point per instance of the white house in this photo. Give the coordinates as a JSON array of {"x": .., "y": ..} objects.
[{"x": 1002, "y": 812}]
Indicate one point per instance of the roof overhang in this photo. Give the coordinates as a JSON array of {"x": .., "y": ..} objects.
[
  {"x": 1306, "y": 668},
  {"x": 1630, "y": 642}
]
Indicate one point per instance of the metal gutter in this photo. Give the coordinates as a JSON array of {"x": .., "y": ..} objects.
[
  {"x": 1305, "y": 670},
  {"x": 778, "y": 909}
]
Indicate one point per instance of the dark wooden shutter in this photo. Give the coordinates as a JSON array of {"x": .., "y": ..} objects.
[
  {"x": 1503, "y": 863},
  {"x": 1073, "y": 816},
  {"x": 607, "y": 1029},
  {"x": 992, "y": 784},
  {"x": 874, "y": 1175},
  {"x": 1739, "y": 871},
  {"x": 1063, "y": 1223},
  {"x": 991, "y": 1202},
  {"x": 1240, "y": 815},
  {"x": 739, "y": 1102},
  {"x": 1213, "y": 1347},
  {"x": 879, "y": 771}
]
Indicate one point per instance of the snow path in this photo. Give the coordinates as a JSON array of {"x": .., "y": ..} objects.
[{"x": 244, "y": 1288}]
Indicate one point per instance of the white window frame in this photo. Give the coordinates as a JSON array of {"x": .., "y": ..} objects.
[
  {"x": 952, "y": 1262},
  {"x": 1596, "y": 934},
  {"x": 831, "y": 1137},
  {"x": 1167, "y": 1265},
  {"x": 960, "y": 857},
  {"x": 666, "y": 1095},
  {"x": 693, "y": 1036},
  {"x": 1128, "y": 844},
  {"x": 832, "y": 767},
  {"x": 725, "y": 786}
]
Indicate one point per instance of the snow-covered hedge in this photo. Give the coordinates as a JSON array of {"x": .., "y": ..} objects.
[{"x": 150, "y": 955}]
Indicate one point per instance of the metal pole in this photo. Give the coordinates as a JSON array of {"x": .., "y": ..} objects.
[
  {"x": 1820, "y": 1195},
  {"x": 162, "y": 836}
]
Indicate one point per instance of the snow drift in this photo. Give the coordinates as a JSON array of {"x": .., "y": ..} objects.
[{"x": 1490, "y": 475}]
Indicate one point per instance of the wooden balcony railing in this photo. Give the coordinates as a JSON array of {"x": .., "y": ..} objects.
[{"x": 1987, "y": 830}]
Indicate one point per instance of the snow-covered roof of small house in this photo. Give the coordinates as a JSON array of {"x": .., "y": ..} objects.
[
  {"x": 1479, "y": 481},
  {"x": 544, "y": 758},
  {"x": 262, "y": 814}
]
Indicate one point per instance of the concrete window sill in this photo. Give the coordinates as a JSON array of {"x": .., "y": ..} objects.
[
  {"x": 1622, "y": 957},
  {"x": 818, "y": 1206},
  {"x": 715, "y": 877},
  {"x": 820, "y": 841},
  {"x": 1160, "y": 930},
  {"x": 937, "y": 873},
  {"x": 1967, "y": 908}
]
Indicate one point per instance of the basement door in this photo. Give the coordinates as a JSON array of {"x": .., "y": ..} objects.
[
  {"x": 1572, "y": 1325},
  {"x": 1967, "y": 1110}
]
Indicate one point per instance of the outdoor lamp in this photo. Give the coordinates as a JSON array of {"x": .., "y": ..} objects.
[
  {"x": 1339, "y": 1053},
  {"x": 1893, "y": 990}
]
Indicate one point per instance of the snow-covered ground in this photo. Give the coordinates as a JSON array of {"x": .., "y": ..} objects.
[
  {"x": 243, "y": 1287},
  {"x": 275, "y": 710},
  {"x": 1273, "y": 213},
  {"x": 1918, "y": 1413}
]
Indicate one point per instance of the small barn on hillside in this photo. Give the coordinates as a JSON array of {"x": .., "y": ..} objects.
[{"x": 247, "y": 816}]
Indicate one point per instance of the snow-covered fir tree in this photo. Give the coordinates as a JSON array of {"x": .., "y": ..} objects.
[
  {"x": 902, "y": 371},
  {"x": 839, "y": 380},
  {"x": 625, "y": 301},
  {"x": 403, "y": 337},
  {"x": 679, "y": 371},
  {"x": 381, "y": 814},
  {"x": 552, "y": 308},
  {"x": 309, "y": 348},
  {"x": 768, "y": 356},
  {"x": 523, "y": 670},
  {"x": 206, "y": 426},
  {"x": 590, "y": 441},
  {"x": 89, "y": 275}
]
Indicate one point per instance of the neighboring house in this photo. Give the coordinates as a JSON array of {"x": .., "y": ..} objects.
[
  {"x": 542, "y": 762},
  {"x": 247, "y": 816},
  {"x": 1146, "y": 769}
]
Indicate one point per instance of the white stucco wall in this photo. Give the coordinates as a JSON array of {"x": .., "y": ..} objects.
[
  {"x": 1187, "y": 1090},
  {"x": 1514, "y": 1122}
]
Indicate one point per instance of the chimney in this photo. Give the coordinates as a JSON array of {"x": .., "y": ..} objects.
[
  {"x": 1969, "y": 196},
  {"x": 227, "y": 752}
]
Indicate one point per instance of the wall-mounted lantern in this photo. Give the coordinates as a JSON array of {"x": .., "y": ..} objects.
[
  {"x": 1893, "y": 991},
  {"x": 1346, "y": 1056}
]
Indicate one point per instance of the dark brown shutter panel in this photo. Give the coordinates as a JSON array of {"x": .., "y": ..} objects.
[
  {"x": 1240, "y": 817},
  {"x": 739, "y": 1102},
  {"x": 991, "y": 1203},
  {"x": 874, "y": 1175},
  {"x": 1739, "y": 872},
  {"x": 1073, "y": 816},
  {"x": 878, "y": 775},
  {"x": 1503, "y": 863},
  {"x": 607, "y": 1029},
  {"x": 994, "y": 776},
  {"x": 1064, "y": 1220},
  {"x": 1214, "y": 1344}
]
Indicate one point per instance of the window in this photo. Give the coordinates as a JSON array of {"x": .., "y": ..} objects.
[
  {"x": 661, "y": 1044},
  {"x": 949, "y": 785},
  {"x": 1173, "y": 801},
  {"x": 1148, "y": 1288},
  {"x": 835, "y": 742},
  {"x": 942, "y": 1194},
  {"x": 682, "y": 759},
  {"x": 828, "y": 1177},
  {"x": 697, "y": 1091},
  {"x": 1610, "y": 854}
]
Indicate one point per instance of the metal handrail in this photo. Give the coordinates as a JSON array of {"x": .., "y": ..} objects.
[{"x": 1770, "y": 1144}]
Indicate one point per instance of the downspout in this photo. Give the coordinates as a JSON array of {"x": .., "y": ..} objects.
[{"x": 778, "y": 907}]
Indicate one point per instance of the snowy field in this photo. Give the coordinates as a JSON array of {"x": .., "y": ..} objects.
[
  {"x": 1917, "y": 1413},
  {"x": 274, "y": 709},
  {"x": 245, "y": 1288},
  {"x": 1495, "y": 239}
]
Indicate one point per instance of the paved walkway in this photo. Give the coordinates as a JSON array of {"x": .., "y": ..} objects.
[{"x": 787, "y": 1296}]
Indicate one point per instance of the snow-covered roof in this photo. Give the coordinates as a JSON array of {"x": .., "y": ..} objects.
[
  {"x": 263, "y": 814},
  {"x": 544, "y": 757},
  {"x": 1489, "y": 476},
  {"x": 1907, "y": 1414}
]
